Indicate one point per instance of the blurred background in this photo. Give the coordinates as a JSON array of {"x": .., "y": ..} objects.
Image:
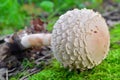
[{"x": 16, "y": 14}]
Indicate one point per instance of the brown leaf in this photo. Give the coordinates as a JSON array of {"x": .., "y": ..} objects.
[{"x": 38, "y": 25}]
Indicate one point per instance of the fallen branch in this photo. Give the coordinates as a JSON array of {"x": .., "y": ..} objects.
[{"x": 32, "y": 72}]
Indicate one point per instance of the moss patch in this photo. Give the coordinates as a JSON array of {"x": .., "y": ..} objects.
[
  {"x": 115, "y": 37},
  {"x": 104, "y": 71}
]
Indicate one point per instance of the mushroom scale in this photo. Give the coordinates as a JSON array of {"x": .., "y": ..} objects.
[{"x": 80, "y": 39}]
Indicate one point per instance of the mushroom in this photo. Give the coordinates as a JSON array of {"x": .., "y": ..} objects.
[{"x": 80, "y": 39}]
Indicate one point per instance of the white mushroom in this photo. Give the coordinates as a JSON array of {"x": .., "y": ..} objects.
[{"x": 80, "y": 39}]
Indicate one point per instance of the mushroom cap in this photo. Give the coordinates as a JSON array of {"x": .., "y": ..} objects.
[{"x": 80, "y": 39}]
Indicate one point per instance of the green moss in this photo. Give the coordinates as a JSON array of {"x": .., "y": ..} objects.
[
  {"x": 115, "y": 36},
  {"x": 104, "y": 71}
]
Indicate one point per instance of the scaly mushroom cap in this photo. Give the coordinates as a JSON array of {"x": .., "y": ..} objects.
[{"x": 80, "y": 39}]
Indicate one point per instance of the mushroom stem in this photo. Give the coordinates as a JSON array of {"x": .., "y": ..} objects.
[{"x": 36, "y": 40}]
